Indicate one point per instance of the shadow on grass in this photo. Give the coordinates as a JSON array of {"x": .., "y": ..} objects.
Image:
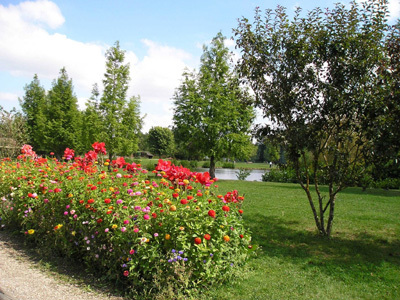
[
  {"x": 355, "y": 258},
  {"x": 65, "y": 269},
  {"x": 349, "y": 190}
]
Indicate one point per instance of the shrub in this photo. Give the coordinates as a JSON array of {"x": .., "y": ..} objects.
[
  {"x": 242, "y": 174},
  {"x": 228, "y": 165},
  {"x": 206, "y": 164},
  {"x": 128, "y": 225}
]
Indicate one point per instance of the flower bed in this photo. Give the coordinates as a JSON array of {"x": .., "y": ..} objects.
[{"x": 144, "y": 229}]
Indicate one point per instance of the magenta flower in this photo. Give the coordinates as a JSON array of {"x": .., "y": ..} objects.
[
  {"x": 119, "y": 201},
  {"x": 123, "y": 229},
  {"x": 146, "y": 217}
]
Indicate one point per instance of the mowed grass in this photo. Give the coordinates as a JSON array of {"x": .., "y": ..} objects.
[{"x": 360, "y": 261}]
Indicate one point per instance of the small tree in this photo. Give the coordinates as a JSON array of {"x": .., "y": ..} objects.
[
  {"x": 161, "y": 141},
  {"x": 211, "y": 115},
  {"x": 314, "y": 78}
]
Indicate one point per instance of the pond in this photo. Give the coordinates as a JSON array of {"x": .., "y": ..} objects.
[{"x": 230, "y": 174}]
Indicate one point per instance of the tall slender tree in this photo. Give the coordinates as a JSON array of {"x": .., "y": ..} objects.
[
  {"x": 121, "y": 119},
  {"x": 34, "y": 107},
  {"x": 62, "y": 115},
  {"x": 211, "y": 115}
]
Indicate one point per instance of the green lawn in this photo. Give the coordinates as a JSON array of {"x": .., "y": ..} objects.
[{"x": 360, "y": 261}]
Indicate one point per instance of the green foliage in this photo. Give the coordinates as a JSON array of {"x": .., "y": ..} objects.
[
  {"x": 242, "y": 174},
  {"x": 34, "y": 106},
  {"x": 161, "y": 141},
  {"x": 211, "y": 115},
  {"x": 120, "y": 118},
  {"x": 62, "y": 116},
  {"x": 13, "y": 132},
  {"x": 314, "y": 78},
  {"x": 228, "y": 165}
]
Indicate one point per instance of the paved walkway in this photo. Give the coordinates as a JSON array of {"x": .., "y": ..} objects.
[{"x": 20, "y": 279}]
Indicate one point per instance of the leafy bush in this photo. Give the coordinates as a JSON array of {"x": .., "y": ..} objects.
[
  {"x": 206, "y": 164},
  {"x": 388, "y": 183},
  {"x": 228, "y": 165},
  {"x": 150, "y": 232},
  {"x": 242, "y": 174}
]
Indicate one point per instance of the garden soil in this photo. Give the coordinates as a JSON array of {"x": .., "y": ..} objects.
[{"x": 22, "y": 279}]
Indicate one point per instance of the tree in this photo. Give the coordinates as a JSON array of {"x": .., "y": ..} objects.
[
  {"x": 314, "y": 78},
  {"x": 13, "y": 132},
  {"x": 211, "y": 115},
  {"x": 63, "y": 117},
  {"x": 91, "y": 125},
  {"x": 34, "y": 107},
  {"x": 161, "y": 141},
  {"x": 121, "y": 120}
]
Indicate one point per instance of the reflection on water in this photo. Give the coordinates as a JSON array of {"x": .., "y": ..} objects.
[{"x": 230, "y": 174}]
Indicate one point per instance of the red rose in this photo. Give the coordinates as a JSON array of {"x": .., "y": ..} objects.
[
  {"x": 211, "y": 213},
  {"x": 197, "y": 241},
  {"x": 207, "y": 236},
  {"x": 225, "y": 208}
]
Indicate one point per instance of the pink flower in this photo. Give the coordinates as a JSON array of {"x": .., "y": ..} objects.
[
  {"x": 119, "y": 201},
  {"x": 136, "y": 230},
  {"x": 126, "y": 222},
  {"x": 65, "y": 213},
  {"x": 146, "y": 217},
  {"x": 132, "y": 252},
  {"x": 123, "y": 229},
  {"x": 106, "y": 230}
]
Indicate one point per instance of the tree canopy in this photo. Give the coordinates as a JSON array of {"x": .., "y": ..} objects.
[
  {"x": 211, "y": 115},
  {"x": 314, "y": 79}
]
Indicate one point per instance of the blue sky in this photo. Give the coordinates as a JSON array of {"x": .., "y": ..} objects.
[{"x": 160, "y": 37}]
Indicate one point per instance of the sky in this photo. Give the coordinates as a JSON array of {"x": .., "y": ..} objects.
[{"x": 161, "y": 38}]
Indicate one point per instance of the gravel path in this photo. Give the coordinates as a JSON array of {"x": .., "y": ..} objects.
[{"x": 20, "y": 279}]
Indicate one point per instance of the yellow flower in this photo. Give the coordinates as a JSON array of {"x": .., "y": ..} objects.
[
  {"x": 31, "y": 231},
  {"x": 172, "y": 208},
  {"x": 181, "y": 228},
  {"x": 73, "y": 233},
  {"x": 167, "y": 236},
  {"x": 185, "y": 181},
  {"x": 207, "y": 192},
  {"x": 114, "y": 226},
  {"x": 106, "y": 163},
  {"x": 177, "y": 190},
  {"x": 111, "y": 189},
  {"x": 70, "y": 195}
]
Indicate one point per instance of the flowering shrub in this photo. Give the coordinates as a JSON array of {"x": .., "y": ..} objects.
[{"x": 129, "y": 224}]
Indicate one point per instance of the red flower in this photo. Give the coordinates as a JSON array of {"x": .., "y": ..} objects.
[
  {"x": 189, "y": 197},
  {"x": 90, "y": 201},
  {"x": 91, "y": 156},
  {"x": 99, "y": 147},
  {"x": 99, "y": 220},
  {"x": 199, "y": 194},
  {"x": 184, "y": 201},
  {"x": 240, "y": 211},
  {"x": 154, "y": 215},
  {"x": 69, "y": 154},
  {"x": 241, "y": 236},
  {"x": 126, "y": 273},
  {"x": 197, "y": 241},
  {"x": 175, "y": 195},
  {"x": 207, "y": 236},
  {"x": 211, "y": 213},
  {"x": 225, "y": 208},
  {"x": 93, "y": 188},
  {"x": 107, "y": 201}
]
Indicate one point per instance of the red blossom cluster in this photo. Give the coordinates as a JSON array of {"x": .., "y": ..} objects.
[
  {"x": 232, "y": 197},
  {"x": 178, "y": 173}
]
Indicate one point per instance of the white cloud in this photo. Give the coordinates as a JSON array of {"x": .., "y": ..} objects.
[
  {"x": 27, "y": 48},
  {"x": 8, "y": 100},
  {"x": 394, "y": 9}
]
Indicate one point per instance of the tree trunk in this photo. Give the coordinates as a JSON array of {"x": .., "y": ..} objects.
[
  {"x": 212, "y": 166},
  {"x": 110, "y": 155}
]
